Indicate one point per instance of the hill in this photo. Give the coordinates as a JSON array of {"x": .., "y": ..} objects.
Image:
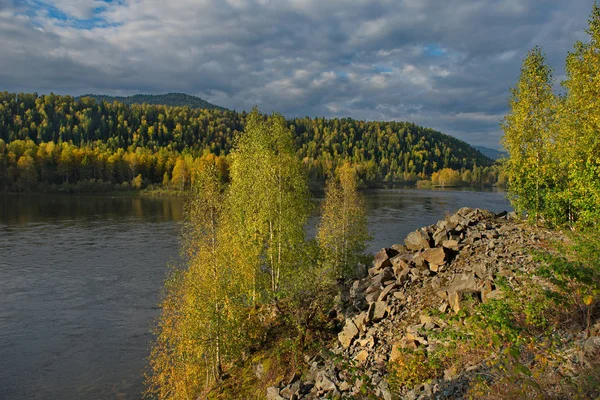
[
  {"x": 114, "y": 142},
  {"x": 490, "y": 153},
  {"x": 169, "y": 99}
]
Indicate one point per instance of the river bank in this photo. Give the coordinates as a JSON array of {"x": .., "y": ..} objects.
[{"x": 477, "y": 305}]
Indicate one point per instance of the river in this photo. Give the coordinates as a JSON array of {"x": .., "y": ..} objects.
[{"x": 80, "y": 278}]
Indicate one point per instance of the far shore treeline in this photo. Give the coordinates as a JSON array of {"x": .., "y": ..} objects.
[{"x": 60, "y": 143}]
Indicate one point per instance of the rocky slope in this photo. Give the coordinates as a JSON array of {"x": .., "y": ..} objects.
[{"x": 388, "y": 311}]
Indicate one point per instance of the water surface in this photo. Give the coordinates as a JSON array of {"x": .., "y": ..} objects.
[{"x": 80, "y": 277}]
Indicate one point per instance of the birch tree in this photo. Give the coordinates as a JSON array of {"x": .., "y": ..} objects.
[
  {"x": 268, "y": 202},
  {"x": 342, "y": 232},
  {"x": 529, "y": 132},
  {"x": 581, "y": 125},
  {"x": 198, "y": 330}
]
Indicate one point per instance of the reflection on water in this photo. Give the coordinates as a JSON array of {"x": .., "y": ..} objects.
[
  {"x": 23, "y": 209},
  {"x": 80, "y": 277}
]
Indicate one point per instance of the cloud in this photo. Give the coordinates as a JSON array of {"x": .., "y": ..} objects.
[{"x": 446, "y": 65}]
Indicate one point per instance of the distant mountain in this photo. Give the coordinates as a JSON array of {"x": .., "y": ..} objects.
[
  {"x": 169, "y": 99},
  {"x": 491, "y": 153}
]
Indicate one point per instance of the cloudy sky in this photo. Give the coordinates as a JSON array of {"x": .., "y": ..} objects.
[{"x": 445, "y": 64}]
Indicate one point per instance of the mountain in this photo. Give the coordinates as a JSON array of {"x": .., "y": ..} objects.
[
  {"x": 169, "y": 99},
  {"x": 491, "y": 153}
]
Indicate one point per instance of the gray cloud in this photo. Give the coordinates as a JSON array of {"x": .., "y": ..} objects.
[{"x": 444, "y": 65}]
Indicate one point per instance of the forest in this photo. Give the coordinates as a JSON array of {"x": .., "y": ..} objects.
[
  {"x": 169, "y": 99},
  {"x": 51, "y": 142}
]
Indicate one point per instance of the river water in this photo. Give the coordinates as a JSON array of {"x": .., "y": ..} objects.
[{"x": 80, "y": 278}]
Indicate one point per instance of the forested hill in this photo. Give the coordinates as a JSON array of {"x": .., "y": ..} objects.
[
  {"x": 169, "y": 99},
  {"x": 491, "y": 153},
  {"x": 101, "y": 136}
]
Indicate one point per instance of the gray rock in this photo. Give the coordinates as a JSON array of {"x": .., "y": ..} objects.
[{"x": 325, "y": 384}]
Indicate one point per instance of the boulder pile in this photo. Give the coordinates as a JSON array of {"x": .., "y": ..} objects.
[{"x": 437, "y": 266}]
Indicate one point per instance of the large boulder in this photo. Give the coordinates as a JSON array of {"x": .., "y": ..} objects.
[
  {"x": 382, "y": 258},
  {"x": 436, "y": 256},
  {"x": 417, "y": 240}
]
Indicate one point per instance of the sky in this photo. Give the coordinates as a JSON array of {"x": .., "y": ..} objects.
[{"x": 443, "y": 64}]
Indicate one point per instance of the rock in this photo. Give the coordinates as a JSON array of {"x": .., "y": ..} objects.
[
  {"x": 463, "y": 284},
  {"x": 306, "y": 387},
  {"x": 377, "y": 311},
  {"x": 399, "y": 295},
  {"x": 396, "y": 352},
  {"x": 361, "y": 356},
  {"x": 400, "y": 248},
  {"x": 417, "y": 240},
  {"x": 450, "y": 244},
  {"x": 384, "y": 390},
  {"x": 419, "y": 261},
  {"x": 435, "y": 256},
  {"x": 273, "y": 393},
  {"x": 439, "y": 237},
  {"x": 291, "y": 390},
  {"x": 382, "y": 258},
  {"x": 454, "y": 300},
  {"x": 348, "y": 334},
  {"x": 373, "y": 296},
  {"x": 402, "y": 275},
  {"x": 325, "y": 384},
  {"x": 386, "y": 291},
  {"x": 383, "y": 276},
  {"x": 368, "y": 341},
  {"x": 360, "y": 320}
]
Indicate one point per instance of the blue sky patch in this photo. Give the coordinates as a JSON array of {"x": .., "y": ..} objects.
[
  {"x": 435, "y": 50},
  {"x": 57, "y": 15}
]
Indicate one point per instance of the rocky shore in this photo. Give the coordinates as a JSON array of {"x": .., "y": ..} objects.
[{"x": 440, "y": 267}]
